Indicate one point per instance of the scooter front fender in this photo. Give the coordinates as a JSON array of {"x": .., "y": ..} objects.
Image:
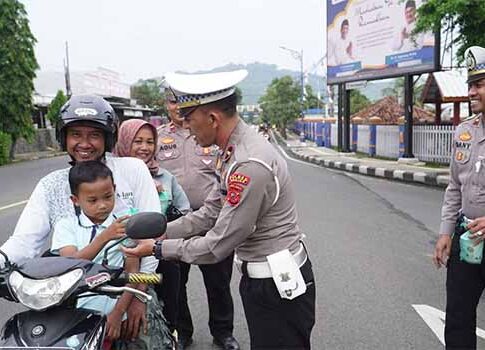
[{"x": 58, "y": 327}]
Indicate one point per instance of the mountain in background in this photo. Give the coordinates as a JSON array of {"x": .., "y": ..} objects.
[
  {"x": 260, "y": 76},
  {"x": 253, "y": 87}
]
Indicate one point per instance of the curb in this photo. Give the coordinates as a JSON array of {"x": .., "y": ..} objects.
[
  {"x": 36, "y": 157},
  {"x": 421, "y": 177}
]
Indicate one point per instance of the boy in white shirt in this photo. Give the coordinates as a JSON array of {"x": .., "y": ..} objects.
[{"x": 87, "y": 235}]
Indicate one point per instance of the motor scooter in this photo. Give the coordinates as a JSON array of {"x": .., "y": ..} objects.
[{"x": 50, "y": 287}]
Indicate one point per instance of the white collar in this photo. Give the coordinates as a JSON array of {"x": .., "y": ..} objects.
[{"x": 84, "y": 221}]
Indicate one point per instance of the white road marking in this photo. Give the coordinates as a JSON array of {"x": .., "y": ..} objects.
[
  {"x": 297, "y": 160},
  {"x": 13, "y": 205},
  {"x": 435, "y": 319}
]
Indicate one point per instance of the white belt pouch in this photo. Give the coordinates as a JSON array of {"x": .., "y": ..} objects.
[{"x": 286, "y": 274}]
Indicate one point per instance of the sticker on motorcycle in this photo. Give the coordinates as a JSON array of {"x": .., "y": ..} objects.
[{"x": 96, "y": 280}]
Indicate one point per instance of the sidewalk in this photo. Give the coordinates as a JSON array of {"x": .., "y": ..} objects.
[
  {"x": 351, "y": 162},
  {"x": 21, "y": 157}
]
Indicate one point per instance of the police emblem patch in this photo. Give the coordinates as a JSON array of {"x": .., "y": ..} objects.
[
  {"x": 462, "y": 156},
  {"x": 167, "y": 140},
  {"x": 239, "y": 178},
  {"x": 465, "y": 136},
  {"x": 459, "y": 155},
  {"x": 470, "y": 61},
  {"x": 233, "y": 197},
  {"x": 236, "y": 184}
]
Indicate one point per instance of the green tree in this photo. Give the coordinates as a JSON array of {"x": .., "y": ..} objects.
[
  {"x": 17, "y": 72},
  {"x": 55, "y": 107},
  {"x": 311, "y": 100},
  {"x": 466, "y": 16},
  {"x": 147, "y": 93},
  {"x": 398, "y": 91},
  {"x": 358, "y": 101},
  {"x": 281, "y": 103}
]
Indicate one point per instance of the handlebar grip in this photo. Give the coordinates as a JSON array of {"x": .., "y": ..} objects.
[{"x": 144, "y": 278}]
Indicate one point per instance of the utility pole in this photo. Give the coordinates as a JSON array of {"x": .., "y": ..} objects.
[
  {"x": 67, "y": 75},
  {"x": 299, "y": 56},
  {"x": 408, "y": 116}
]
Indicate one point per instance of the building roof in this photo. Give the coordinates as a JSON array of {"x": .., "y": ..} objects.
[
  {"x": 390, "y": 111},
  {"x": 445, "y": 87}
]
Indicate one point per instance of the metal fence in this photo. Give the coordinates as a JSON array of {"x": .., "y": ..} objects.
[
  {"x": 387, "y": 141},
  {"x": 363, "y": 138},
  {"x": 433, "y": 143},
  {"x": 334, "y": 135}
]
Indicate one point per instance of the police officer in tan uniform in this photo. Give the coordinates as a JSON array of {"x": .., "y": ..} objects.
[
  {"x": 194, "y": 168},
  {"x": 256, "y": 216},
  {"x": 464, "y": 205}
]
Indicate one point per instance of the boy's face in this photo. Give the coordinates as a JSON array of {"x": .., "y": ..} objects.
[{"x": 96, "y": 199}]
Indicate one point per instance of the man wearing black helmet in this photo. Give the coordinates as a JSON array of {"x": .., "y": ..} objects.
[{"x": 87, "y": 129}]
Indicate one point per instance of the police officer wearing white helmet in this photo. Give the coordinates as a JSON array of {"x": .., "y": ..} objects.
[
  {"x": 183, "y": 157},
  {"x": 460, "y": 244},
  {"x": 255, "y": 216}
]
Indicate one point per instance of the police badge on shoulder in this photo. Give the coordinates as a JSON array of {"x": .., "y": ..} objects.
[{"x": 286, "y": 274}]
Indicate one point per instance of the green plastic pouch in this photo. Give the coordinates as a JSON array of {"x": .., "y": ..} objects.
[
  {"x": 164, "y": 201},
  {"x": 469, "y": 252}
]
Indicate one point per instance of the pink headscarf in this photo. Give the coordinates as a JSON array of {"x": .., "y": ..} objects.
[{"x": 126, "y": 135}]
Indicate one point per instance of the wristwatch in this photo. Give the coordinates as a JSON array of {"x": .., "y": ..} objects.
[{"x": 157, "y": 250}]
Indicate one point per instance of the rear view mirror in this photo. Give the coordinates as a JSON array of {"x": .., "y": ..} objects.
[{"x": 146, "y": 225}]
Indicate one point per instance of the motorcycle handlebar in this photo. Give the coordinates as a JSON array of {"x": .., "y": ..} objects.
[{"x": 140, "y": 278}]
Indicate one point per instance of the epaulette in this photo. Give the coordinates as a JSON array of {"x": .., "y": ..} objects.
[{"x": 473, "y": 117}]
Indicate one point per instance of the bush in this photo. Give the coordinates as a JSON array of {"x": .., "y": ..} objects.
[{"x": 5, "y": 143}]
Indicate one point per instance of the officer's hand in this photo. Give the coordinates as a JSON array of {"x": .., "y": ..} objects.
[
  {"x": 144, "y": 248},
  {"x": 477, "y": 228},
  {"x": 442, "y": 250}
]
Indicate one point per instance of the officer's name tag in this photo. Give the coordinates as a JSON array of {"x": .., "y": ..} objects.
[{"x": 286, "y": 274}]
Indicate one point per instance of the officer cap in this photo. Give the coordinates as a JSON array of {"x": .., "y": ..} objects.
[
  {"x": 475, "y": 62},
  {"x": 193, "y": 90}
]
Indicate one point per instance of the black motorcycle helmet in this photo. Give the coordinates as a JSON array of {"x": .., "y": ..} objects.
[{"x": 89, "y": 110}]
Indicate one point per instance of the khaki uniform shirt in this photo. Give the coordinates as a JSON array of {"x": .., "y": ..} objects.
[
  {"x": 246, "y": 217},
  {"x": 466, "y": 189},
  {"x": 192, "y": 165}
]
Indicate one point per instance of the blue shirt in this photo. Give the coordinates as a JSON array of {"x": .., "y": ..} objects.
[{"x": 76, "y": 231}]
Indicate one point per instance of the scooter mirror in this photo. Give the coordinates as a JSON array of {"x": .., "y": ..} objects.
[{"x": 146, "y": 225}]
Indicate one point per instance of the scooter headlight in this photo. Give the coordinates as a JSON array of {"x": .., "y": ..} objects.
[{"x": 41, "y": 294}]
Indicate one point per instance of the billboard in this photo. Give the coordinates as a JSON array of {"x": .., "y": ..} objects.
[{"x": 370, "y": 39}]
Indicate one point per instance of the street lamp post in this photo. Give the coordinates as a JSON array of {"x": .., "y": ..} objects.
[{"x": 299, "y": 56}]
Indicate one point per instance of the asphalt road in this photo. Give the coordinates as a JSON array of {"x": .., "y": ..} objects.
[{"x": 370, "y": 242}]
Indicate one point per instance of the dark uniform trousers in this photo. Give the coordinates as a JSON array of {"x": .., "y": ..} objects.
[
  {"x": 276, "y": 323},
  {"x": 217, "y": 280},
  {"x": 464, "y": 286}
]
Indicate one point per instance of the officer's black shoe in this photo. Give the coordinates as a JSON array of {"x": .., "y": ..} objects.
[
  {"x": 184, "y": 342},
  {"x": 227, "y": 343}
]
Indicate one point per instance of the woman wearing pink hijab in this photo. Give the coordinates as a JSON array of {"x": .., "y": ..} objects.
[{"x": 138, "y": 138}]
